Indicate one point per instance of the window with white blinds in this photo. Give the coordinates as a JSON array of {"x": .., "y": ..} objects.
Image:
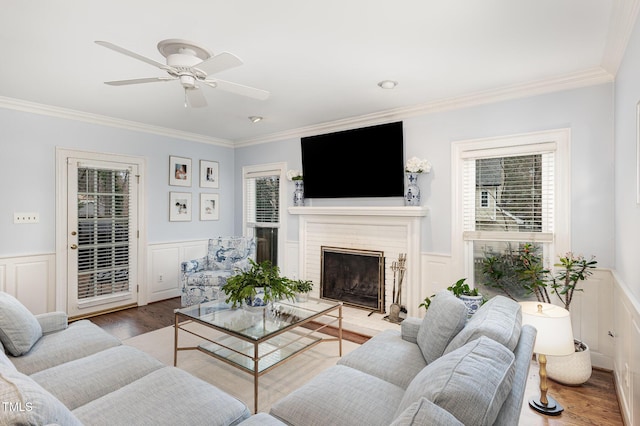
[
  {"x": 509, "y": 197},
  {"x": 511, "y": 191},
  {"x": 104, "y": 198},
  {"x": 262, "y": 201}
]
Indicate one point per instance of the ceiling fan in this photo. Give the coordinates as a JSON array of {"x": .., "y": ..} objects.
[{"x": 190, "y": 64}]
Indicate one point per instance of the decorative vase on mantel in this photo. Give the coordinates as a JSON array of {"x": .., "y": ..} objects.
[
  {"x": 298, "y": 193},
  {"x": 412, "y": 191}
]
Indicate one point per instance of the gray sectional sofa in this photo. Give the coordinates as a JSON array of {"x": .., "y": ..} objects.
[
  {"x": 74, "y": 374},
  {"x": 441, "y": 370}
]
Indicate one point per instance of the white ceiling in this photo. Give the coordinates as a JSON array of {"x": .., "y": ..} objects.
[{"x": 321, "y": 60}]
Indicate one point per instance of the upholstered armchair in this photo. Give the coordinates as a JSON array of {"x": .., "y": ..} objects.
[{"x": 202, "y": 278}]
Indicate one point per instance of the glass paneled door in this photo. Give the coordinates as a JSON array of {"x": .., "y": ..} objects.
[{"x": 102, "y": 236}]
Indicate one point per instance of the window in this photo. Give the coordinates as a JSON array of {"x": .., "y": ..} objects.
[
  {"x": 263, "y": 200},
  {"x": 510, "y": 192}
]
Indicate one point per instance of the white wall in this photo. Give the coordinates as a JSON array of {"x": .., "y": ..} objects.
[{"x": 627, "y": 231}]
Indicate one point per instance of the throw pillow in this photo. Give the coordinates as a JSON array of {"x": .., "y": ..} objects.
[
  {"x": 444, "y": 319},
  {"x": 500, "y": 319},
  {"x": 471, "y": 383},
  {"x": 27, "y": 403},
  {"x": 19, "y": 328}
]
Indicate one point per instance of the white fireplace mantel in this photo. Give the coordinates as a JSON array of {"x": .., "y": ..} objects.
[
  {"x": 392, "y": 229},
  {"x": 361, "y": 211}
]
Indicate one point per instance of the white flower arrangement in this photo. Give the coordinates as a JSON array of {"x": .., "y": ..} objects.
[
  {"x": 294, "y": 175},
  {"x": 416, "y": 165}
]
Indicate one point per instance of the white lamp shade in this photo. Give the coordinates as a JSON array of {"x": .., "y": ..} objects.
[{"x": 553, "y": 323}]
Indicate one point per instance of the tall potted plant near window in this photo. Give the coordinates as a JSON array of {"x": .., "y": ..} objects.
[{"x": 574, "y": 369}]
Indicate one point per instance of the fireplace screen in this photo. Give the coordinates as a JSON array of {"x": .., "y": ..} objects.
[{"x": 354, "y": 277}]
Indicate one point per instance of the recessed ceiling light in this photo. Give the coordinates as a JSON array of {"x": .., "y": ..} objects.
[
  {"x": 388, "y": 84},
  {"x": 255, "y": 118}
]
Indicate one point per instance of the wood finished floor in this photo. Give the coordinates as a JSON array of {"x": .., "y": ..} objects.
[{"x": 593, "y": 403}]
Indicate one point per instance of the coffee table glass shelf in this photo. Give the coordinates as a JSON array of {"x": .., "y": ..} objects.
[{"x": 257, "y": 340}]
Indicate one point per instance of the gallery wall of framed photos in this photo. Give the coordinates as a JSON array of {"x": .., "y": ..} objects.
[{"x": 181, "y": 172}]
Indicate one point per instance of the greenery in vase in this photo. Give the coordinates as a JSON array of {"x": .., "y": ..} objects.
[
  {"x": 243, "y": 286},
  {"x": 459, "y": 288},
  {"x": 301, "y": 286}
]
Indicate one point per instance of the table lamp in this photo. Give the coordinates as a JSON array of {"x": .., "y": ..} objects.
[{"x": 554, "y": 337}]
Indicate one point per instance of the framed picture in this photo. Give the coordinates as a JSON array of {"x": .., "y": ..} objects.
[
  {"x": 209, "y": 174},
  {"x": 209, "y": 207},
  {"x": 179, "y": 206},
  {"x": 179, "y": 171}
]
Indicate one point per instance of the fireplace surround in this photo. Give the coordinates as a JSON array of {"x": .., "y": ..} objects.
[{"x": 389, "y": 229}]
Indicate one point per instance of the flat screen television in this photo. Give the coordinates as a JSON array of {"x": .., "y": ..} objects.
[{"x": 365, "y": 162}]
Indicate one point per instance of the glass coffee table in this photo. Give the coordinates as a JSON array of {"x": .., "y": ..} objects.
[{"x": 257, "y": 340}]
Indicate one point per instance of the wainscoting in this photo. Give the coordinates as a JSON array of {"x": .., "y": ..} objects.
[{"x": 30, "y": 279}]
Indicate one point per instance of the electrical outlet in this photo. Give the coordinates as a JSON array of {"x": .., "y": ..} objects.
[
  {"x": 26, "y": 218},
  {"x": 160, "y": 278}
]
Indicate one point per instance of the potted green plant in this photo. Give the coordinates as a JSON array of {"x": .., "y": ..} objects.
[
  {"x": 302, "y": 289},
  {"x": 470, "y": 296},
  {"x": 574, "y": 369},
  {"x": 257, "y": 286}
]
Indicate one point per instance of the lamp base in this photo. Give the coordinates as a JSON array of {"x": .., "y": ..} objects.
[{"x": 552, "y": 408}]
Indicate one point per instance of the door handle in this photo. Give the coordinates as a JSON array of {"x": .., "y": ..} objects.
[{"x": 74, "y": 246}]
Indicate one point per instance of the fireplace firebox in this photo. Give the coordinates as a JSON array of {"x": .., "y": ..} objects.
[{"x": 353, "y": 276}]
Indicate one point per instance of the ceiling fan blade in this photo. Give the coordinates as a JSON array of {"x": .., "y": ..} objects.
[
  {"x": 195, "y": 98},
  {"x": 132, "y": 54},
  {"x": 138, "y": 81},
  {"x": 238, "y": 89},
  {"x": 217, "y": 63}
]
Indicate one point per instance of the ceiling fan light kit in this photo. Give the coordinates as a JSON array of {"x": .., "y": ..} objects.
[{"x": 190, "y": 64}]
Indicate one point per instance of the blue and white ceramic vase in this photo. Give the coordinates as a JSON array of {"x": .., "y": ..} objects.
[
  {"x": 298, "y": 194},
  {"x": 412, "y": 191}
]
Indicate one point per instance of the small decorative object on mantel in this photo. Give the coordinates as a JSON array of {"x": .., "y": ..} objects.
[
  {"x": 298, "y": 194},
  {"x": 413, "y": 168},
  {"x": 398, "y": 267}
]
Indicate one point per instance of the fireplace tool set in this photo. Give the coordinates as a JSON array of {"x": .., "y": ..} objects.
[{"x": 398, "y": 267}]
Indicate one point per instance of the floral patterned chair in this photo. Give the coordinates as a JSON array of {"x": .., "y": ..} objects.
[{"x": 202, "y": 278}]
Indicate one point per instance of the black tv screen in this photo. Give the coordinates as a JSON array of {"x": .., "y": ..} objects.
[{"x": 365, "y": 162}]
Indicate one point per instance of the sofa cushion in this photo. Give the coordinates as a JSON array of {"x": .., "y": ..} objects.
[
  {"x": 19, "y": 328},
  {"x": 425, "y": 412},
  {"x": 167, "y": 396},
  {"x": 4, "y": 360},
  {"x": 80, "y": 339},
  {"x": 80, "y": 381},
  {"x": 387, "y": 356},
  {"x": 27, "y": 403},
  {"x": 500, "y": 319},
  {"x": 340, "y": 396},
  {"x": 444, "y": 319},
  {"x": 471, "y": 382}
]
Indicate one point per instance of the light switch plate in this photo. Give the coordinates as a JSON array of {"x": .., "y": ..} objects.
[{"x": 26, "y": 218}]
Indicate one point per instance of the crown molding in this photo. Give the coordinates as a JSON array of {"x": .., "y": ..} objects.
[
  {"x": 590, "y": 77},
  {"x": 624, "y": 14},
  {"x": 53, "y": 111}
]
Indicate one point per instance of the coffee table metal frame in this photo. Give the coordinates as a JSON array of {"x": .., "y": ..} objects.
[{"x": 241, "y": 349}]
